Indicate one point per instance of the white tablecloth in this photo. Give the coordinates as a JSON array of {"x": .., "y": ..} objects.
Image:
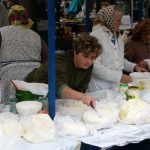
[
  {"x": 16, "y": 143},
  {"x": 119, "y": 135}
]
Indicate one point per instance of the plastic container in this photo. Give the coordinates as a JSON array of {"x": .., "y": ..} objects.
[
  {"x": 12, "y": 103},
  {"x": 27, "y": 108},
  {"x": 26, "y": 95},
  {"x": 133, "y": 93},
  {"x": 139, "y": 75},
  {"x": 123, "y": 87}
]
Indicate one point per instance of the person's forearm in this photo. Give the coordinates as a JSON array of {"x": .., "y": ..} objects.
[
  {"x": 128, "y": 66},
  {"x": 68, "y": 93},
  {"x": 105, "y": 73}
]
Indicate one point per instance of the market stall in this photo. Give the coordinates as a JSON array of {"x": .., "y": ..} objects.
[{"x": 138, "y": 131}]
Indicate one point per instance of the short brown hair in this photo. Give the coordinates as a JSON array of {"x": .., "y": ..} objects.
[
  {"x": 87, "y": 44},
  {"x": 141, "y": 30}
]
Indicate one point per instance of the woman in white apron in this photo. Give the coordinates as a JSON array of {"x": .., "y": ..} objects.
[{"x": 109, "y": 66}]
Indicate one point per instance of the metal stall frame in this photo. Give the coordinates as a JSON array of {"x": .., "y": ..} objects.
[
  {"x": 87, "y": 19},
  {"x": 140, "y": 9},
  {"x": 51, "y": 57}
]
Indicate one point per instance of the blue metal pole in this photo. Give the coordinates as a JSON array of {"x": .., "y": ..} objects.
[
  {"x": 87, "y": 19},
  {"x": 51, "y": 56}
]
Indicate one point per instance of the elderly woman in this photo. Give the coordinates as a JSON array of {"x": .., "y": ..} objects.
[
  {"x": 21, "y": 50},
  {"x": 108, "y": 67},
  {"x": 138, "y": 48}
]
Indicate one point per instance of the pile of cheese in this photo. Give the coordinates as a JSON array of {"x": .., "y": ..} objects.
[
  {"x": 36, "y": 128},
  {"x": 142, "y": 84},
  {"x": 104, "y": 116},
  {"x": 70, "y": 107},
  {"x": 135, "y": 112},
  {"x": 72, "y": 128}
]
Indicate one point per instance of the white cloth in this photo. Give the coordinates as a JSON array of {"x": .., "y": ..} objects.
[
  {"x": 105, "y": 115},
  {"x": 108, "y": 66},
  {"x": 120, "y": 134}
]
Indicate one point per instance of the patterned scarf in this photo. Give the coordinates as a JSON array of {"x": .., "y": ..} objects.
[{"x": 106, "y": 15}]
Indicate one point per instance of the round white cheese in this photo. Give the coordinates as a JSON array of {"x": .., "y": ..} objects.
[
  {"x": 135, "y": 111},
  {"x": 38, "y": 128}
]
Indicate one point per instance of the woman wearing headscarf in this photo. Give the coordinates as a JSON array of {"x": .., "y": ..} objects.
[
  {"x": 108, "y": 67},
  {"x": 21, "y": 50}
]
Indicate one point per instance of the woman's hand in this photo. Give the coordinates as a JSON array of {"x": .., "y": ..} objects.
[
  {"x": 140, "y": 68},
  {"x": 143, "y": 64},
  {"x": 125, "y": 79},
  {"x": 88, "y": 100}
]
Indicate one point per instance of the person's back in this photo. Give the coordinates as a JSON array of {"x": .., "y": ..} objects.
[
  {"x": 137, "y": 51},
  {"x": 22, "y": 44},
  {"x": 138, "y": 48}
]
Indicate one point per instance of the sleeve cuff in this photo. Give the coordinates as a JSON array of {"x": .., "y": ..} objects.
[{"x": 60, "y": 90}]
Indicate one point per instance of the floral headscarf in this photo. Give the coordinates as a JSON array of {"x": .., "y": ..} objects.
[
  {"x": 106, "y": 15},
  {"x": 18, "y": 15}
]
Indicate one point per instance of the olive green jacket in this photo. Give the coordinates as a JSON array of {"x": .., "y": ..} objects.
[{"x": 66, "y": 73}]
